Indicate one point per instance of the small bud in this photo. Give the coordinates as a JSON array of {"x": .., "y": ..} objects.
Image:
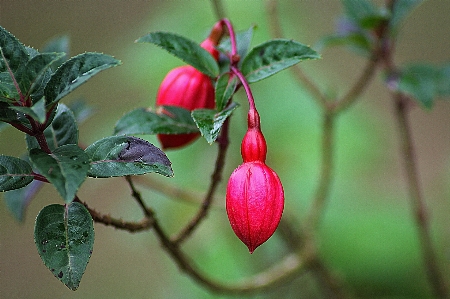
[
  {"x": 254, "y": 203},
  {"x": 253, "y": 147}
]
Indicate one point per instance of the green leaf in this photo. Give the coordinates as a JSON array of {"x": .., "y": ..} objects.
[
  {"x": 358, "y": 41},
  {"x": 224, "y": 90},
  {"x": 422, "y": 82},
  {"x": 37, "y": 111},
  {"x": 75, "y": 72},
  {"x": 66, "y": 168},
  {"x": 64, "y": 237},
  {"x": 63, "y": 130},
  {"x": 15, "y": 173},
  {"x": 35, "y": 68},
  {"x": 359, "y": 10},
  {"x": 185, "y": 49},
  {"x": 8, "y": 92},
  {"x": 145, "y": 122},
  {"x": 57, "y": 44},
  {"x": 14, "y": 52},
  {"x": 126, "y": 155},
  {"x": 274, "y": 56},
  {"x": 18, "y": 200},
  {"x": 210, "y": 121},
  {"x": 400, "y": 10},
  {"x": 443, "y": 86}
]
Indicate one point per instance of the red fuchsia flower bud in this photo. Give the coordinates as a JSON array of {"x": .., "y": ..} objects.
[
  {"x": 255, "y": 196},
  {"x": 188, "y": 88}
]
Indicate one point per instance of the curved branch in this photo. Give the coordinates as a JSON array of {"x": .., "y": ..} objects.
[{"x": 216, "y": 177}]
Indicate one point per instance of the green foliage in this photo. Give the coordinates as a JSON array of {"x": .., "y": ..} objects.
[
  {"x": 274, "y": 56},
  {"x": 64, "y": 237},
  {"x": 126, "y": 155},
  {"x": 224, "y": 89},
  {"x": 66, "y": 168},
  {"x": 75, "y": 72},
  {"x": 14, "y": 173},
  {"x": 210, "y": 121},
  {"x": 185, "y": 49},
  {"x": 425, "y": 82},
  {"x": 173, "y": 120}
]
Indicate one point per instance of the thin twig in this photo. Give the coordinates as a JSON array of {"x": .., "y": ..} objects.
[
  {"x": 326, "y": 173},
  {"x": 216, "y": 177},
  {"x": 130, "y": 226},
  {"x": 219, "y": 11},
  {"x": 277, "y": 32},
  {"x": 434, "y": 273}
]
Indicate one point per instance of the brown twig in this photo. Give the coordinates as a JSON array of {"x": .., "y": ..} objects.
[
  {"x": 433, "y": 271},
  {"x": 216, "y": 177}
]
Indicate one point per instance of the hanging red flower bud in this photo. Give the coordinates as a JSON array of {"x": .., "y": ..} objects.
[
  {"x": 255, "y": 196},
  {"x": 188, "y": 88}
]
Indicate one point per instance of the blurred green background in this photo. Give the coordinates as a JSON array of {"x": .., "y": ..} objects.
[{"x": 368, "y": 236}]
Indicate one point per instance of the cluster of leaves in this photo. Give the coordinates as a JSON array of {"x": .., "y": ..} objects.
[
  {"x": 31, "y": 86},
  {"x": 363, "y": 21},
  {"x": 32, "y": 83}
]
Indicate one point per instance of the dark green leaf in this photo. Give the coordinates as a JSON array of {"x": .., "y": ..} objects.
[
  {"x": 6, "y": 113},
  {"x": 210, "y": 121},
  {"x": 64, "y": 237},
  {"x": 14, "y": 52},
  {"x": 75, "y": 72},
  {"x": 57, "y": 44},
  {"x": 14, "y": 173},
  {"x": 126, "y": 155},
  {"x": 18, "y": 200},
  {"x": 145, "y": 122},
  {"x": 37, "y": 111},
  {"x": 274, "y": 56},
  {"x": 224, "y": 90},
  {"x": 63, "y": 130},
  {"x": 8, "y": 92},
  {"x": 66, "y": 168},
  {"x": 35, "y": 68},
  {"x": 359, "y": 10},
  {"x": 185, "y": 49},
  {"x": 400, "y": 10}
]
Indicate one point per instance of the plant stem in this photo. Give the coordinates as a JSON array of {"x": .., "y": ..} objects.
[
  {"x": 433, "y": 272},
  {"x": 216, "y": 177},
  {"x": 219, "y": 11},
  {"x": 326, "y": 173}
]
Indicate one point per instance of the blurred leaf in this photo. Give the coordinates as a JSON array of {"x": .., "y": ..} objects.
[
  {"x": 14, "y": 52},
  {"x": 224, "y": 90},
  {"x": 364, "y": 13},
  {"x": 57, "y": 44},
  {"x": 401, "y": 9},
  {"x": 75, "y": 72},
  {"x": 358, "y": 41},
  {"x": 141, "y": 121},
  {"x": 210, "y": 121},
  {"x": 425, "y": 82},
  {"x": 63, "y": 130},
  {"x": 37, "y": 111},
  {"x": 64, "y": 237},
  {"x": 126, "y": 155},
  {"x": 18, "y": 200},
  {"x": 185, "y": 49},
  {"x": 81, "y": 110},
  {"x": 66, "y": 168},
  {"x": 274, "y": 56},
  {"x": 14, "y": 173},
  {"x": 243, "y": 41},
  {"x": 31, "y": 75}
]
